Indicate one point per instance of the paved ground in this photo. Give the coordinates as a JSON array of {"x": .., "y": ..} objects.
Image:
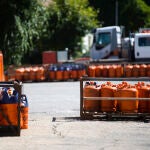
[{"x": 71, "y": 133}]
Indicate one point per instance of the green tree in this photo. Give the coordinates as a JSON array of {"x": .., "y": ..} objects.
[
  {"x": 69, "y": 21},
  {"x": 106, "y": 9},
  {"x": 21, "y": 24},
  {"x": 132, "y": 14},
  {"x": 28, "y": 25}
]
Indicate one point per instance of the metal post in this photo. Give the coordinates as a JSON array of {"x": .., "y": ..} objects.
[
  {"x": 116, "y": 12},
  {"x": 81, "y": 98}
]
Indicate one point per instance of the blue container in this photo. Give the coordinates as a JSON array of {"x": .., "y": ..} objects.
[
  {"x": 24, "y": 100},
  {"x": 24, "y": 112},
  {"x": 53, "y": 68}
]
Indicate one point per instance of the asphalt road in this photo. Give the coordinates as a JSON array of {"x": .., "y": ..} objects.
[{"x": 55, "y": 98}]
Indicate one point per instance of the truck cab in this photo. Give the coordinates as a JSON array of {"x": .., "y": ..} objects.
[
  {"x": 105, "y": 41},
  {"x": 142, "y": 46}
]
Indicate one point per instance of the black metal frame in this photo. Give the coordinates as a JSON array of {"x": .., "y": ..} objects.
[{"x": 11, "y": 130}]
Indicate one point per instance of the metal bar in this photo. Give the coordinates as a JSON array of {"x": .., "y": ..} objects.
[
  {"x": 115, "y": 79},
  {"x": 9, "y": 82},
  {"x": 6, "y": 85},
  {"x": 81, "y": 97},
  {"x": 18, "y": 87},
  {"x": 114, "y": 98},
  {"x": 122, "y": 61}
]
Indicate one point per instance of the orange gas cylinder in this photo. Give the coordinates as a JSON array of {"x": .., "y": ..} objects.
[
  {"x": 19, "y": 72},
  {"x": 74, "y": 73},
  {"x": 81, "y": 71},
  {"x": 105, "y": 70},
  {"x": 66, "y": 73},
  {"x": 91, "y": 71},
  {"x": 119, "y": 71},
  {"x": 40, "y": 75},
  {"x": 98, "y": 71},
  {"x": 1, "y": 67},
  {"x": 108, "y": 90},
  {"x": 148, "y": 70},
  {"x": 136, "y": 70},
  {"x": 26, "y": 76},
  {"x": 128, "y": 106},
  {"x": 11, "y": 73},
  {"x": 11, "y": 111},
  {"x": 77, "y": 74},
  {"x": 128, "y": 70},
  {"x": 84, "y": 72},
  {"x": 112, "y": 71},
  {"x": 52, "y": 75},
  {"x": 24, "y": 112},
  {"x": 59, "y": 74},
  {"x": 143, "y": 69},
  {"x": 143, "y": 92},
  {"x": 91, "y": 91},
  {"x": 6, "y": 76},
  {"x": 149, "y": 103},
  {"x": 52, "y": 72},
  {"x": 33, "y": 73},
  {"x": 24, "y": 117}
]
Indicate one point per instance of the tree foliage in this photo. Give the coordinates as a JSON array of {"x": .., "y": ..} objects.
[
  {"x": 28, "y": 25},
  {"x": 68, "y": 22},
  {"x": 135, "y": 14},
  {"x": 132, "y": 14},
  {"x": 22, "y": 23}
]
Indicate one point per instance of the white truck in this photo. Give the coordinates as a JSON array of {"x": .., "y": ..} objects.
[{"x": 107, "y": 40}]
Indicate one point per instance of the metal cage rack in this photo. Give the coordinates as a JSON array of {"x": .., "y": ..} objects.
[
  {"x": 90, "y": 115},
  {"x": 11, "y": 130}
]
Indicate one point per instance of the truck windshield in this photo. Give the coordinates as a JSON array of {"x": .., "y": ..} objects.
[
  {"x": 144, "y": 41},
  {"x": 103, "y": 39}
]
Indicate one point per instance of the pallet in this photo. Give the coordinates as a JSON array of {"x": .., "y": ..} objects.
[{"x": 115, "y": 116}]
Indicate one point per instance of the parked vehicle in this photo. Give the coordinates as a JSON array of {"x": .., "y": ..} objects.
[{"x": 108, "y": 41}]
